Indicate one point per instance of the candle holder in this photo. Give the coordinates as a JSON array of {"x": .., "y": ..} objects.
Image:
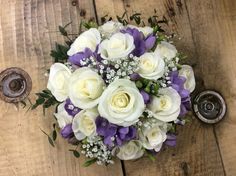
[
  {"x": 209, "y": 106},
  {"x": 15, "y": 85}
]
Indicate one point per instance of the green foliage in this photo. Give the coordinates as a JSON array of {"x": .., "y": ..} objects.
[
  {"x": 50, "y": 140},
  {"x": 60, "y": 53},
  {"x": 148, "y": 86},
  {"x": 136, "y": 17},
  {"x": 75, "y": 153},
  {"x": 45, "y": 99},
  {"x": 90, "y": 24},
  {"x": 122, "y": 19},
  {"x": 150, "y": 156},
  {"x": 89, "y": 162}
]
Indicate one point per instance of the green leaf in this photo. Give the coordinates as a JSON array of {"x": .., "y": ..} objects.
[
  {"x": 75, "y": 153},
  {"x": 62, "y": 31},
  {"x": 51, "y": 141},
  {"x": 150, "y": 156},
  {"x": 54, "y": 135},
  {"x": 43, "y": 95},
  {"x": 40, "y": 101},
  {"x": 89, "y": 162}
]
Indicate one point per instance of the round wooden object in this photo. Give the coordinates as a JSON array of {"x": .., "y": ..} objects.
[
  {"x": 15, "y": 85},
  {"x": 209, "y": 106}
]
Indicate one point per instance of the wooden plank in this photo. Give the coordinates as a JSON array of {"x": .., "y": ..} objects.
[
  {"x": 197, "y": 152},
  {"x": 214, "y": 29},
  {"x": 27, "y": 34}
]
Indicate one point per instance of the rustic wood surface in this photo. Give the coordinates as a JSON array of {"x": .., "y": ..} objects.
[{"x": 208, "y": 36}]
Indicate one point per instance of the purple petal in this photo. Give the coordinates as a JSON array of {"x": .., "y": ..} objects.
[
  {"x": 67, "y": 131},
  {"x": 134, "y": 76},
  {"x": 108, "y": 141},
  {"x": 184, "y": 93},
  {"x": 150, "y": 42},
  {"x": 183, "y": 110},
  {"x": 70, "y": 108},
  {"x": 170, "y": 143},
  {"x": 78, "y": 57},
  {"x": 124, "y": 130},
  {"x": 118, "y": 141},
  {"x": 146, "y": 96},
  {"x": 111, "y": 130}
]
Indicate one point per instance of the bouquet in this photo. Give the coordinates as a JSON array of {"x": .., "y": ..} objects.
[{"x": 120, "y": 92}]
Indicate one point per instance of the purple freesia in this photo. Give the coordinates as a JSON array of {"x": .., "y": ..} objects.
[
  {"x": 177, "y": 83},
  {"x": 70, "y": 108},
  {"x": 141, "y": 44},
  {"x": 114, "y": 134},
  {"x": 67, "y": 131},
  {"x": 134, "y": 76},
  {"x": 171, "y": 140},
  {"x": 146, "y": 96},
  {"x": 80, "y": 56}
]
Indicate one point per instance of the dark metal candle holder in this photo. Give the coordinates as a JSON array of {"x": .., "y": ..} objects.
[
  {"x": 15, "y": 85},
  {"x": 209, "y": 106}
]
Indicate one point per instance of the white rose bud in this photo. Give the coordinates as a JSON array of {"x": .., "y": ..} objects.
[
  {"x": 118, "y": 46},
  {"x": 121, "y": 103},
  {"x": 84, "y": 123},
  {"x": 88, "y": 39},
  {"x": 166, "y": 50},
  {"x": 153, "y": 138},
  {"x": 85, "y": 88},
  {"x": 166, "y": 107},
  {"x": 58, "y": 81},
  {"x": 151, "y": 66},
  {"x": 109, "y": 28},
  {"x": 187, "y": 72},
  {"x": 63, "y": 118},
  {"x": 130, "y": 151}
]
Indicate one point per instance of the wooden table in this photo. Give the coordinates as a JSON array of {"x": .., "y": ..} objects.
[{"x": 208, "y": 36}]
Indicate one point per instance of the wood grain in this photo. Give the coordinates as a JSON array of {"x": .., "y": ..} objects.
[
  {"x": 28, "y": 31},
  {"x": 197, "y": 152},
  {"x": 214, "y": 30}
]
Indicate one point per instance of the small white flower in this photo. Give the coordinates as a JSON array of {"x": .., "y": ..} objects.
[
  {"x": 154, "y": 136},
  {"x": 151, "y": 66},
  {"x": 121, "y": 103},
  {"x": 88, "y": 39},
  {"x": 85, "y": 88},
  {"x": 187, "y": 72},
  {"x": 58, "y": 81},
  {"x": 166, "y": 50},
  {"x": 166, "y": 107},
  {"x": 84, "y": 124},
  {"x": 63, "y": 118},
  {"x": 129, "y": 151},
  {"x": 118, "y": 46},
  {"x": 110, "y": 28},
  {"x": 145, "y": 30}
]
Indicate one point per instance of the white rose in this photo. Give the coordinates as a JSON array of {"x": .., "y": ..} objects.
[
  {"x": 84, "y": 123},
  {"x": 151, "y": 66},
  {"x": 166, "y": 107},
  {"x": 166, "y": 50},
  {"x": 153, "y": 137},
  {"x": 85, "y": 88},
  {"x": 187, "y": 72},
  {"x": 121, "y": 103},
  {"x": 58, "y": 81},
  {"x": 145, "y": 30},
  {"x": 63, "y": 118},
  {"x": 109, "y": 28},
  {"x": 130, "y": 151},
  {"x": 118, "y": 46},
  {"x": 88, "y": 39}
]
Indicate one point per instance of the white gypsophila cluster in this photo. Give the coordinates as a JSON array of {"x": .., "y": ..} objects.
[
  {"x": 95, "y": 148},
  {"x": 170, "y": 65},
  {"x": 147, "y": 120}
]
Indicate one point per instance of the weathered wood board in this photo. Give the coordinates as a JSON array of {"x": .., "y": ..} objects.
[{"x": 208, "y": 36}]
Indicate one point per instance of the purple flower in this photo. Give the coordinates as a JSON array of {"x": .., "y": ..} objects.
[
  {"x": 114, "y": 134},
  {"x": 80, "y": 56},
  {"x": 171, "y": 140},
  {"x": 141, "y": 44},
  {"x": 70, "y": 108},
  {"x": 177, "y": 83},
  {"x": 67, "y": 131},
  {"x": 146, "y": 96},
  {"x": 134, "y": 76}
]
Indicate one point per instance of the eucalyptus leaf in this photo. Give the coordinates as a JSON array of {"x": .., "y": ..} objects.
[
  {"x": 54, "y": 135},
  {"x": 89, "y": 162},
  {"x": 75, "y": 153}
]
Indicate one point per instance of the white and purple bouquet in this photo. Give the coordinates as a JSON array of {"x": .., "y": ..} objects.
[{"x": 121, "y": 92}]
